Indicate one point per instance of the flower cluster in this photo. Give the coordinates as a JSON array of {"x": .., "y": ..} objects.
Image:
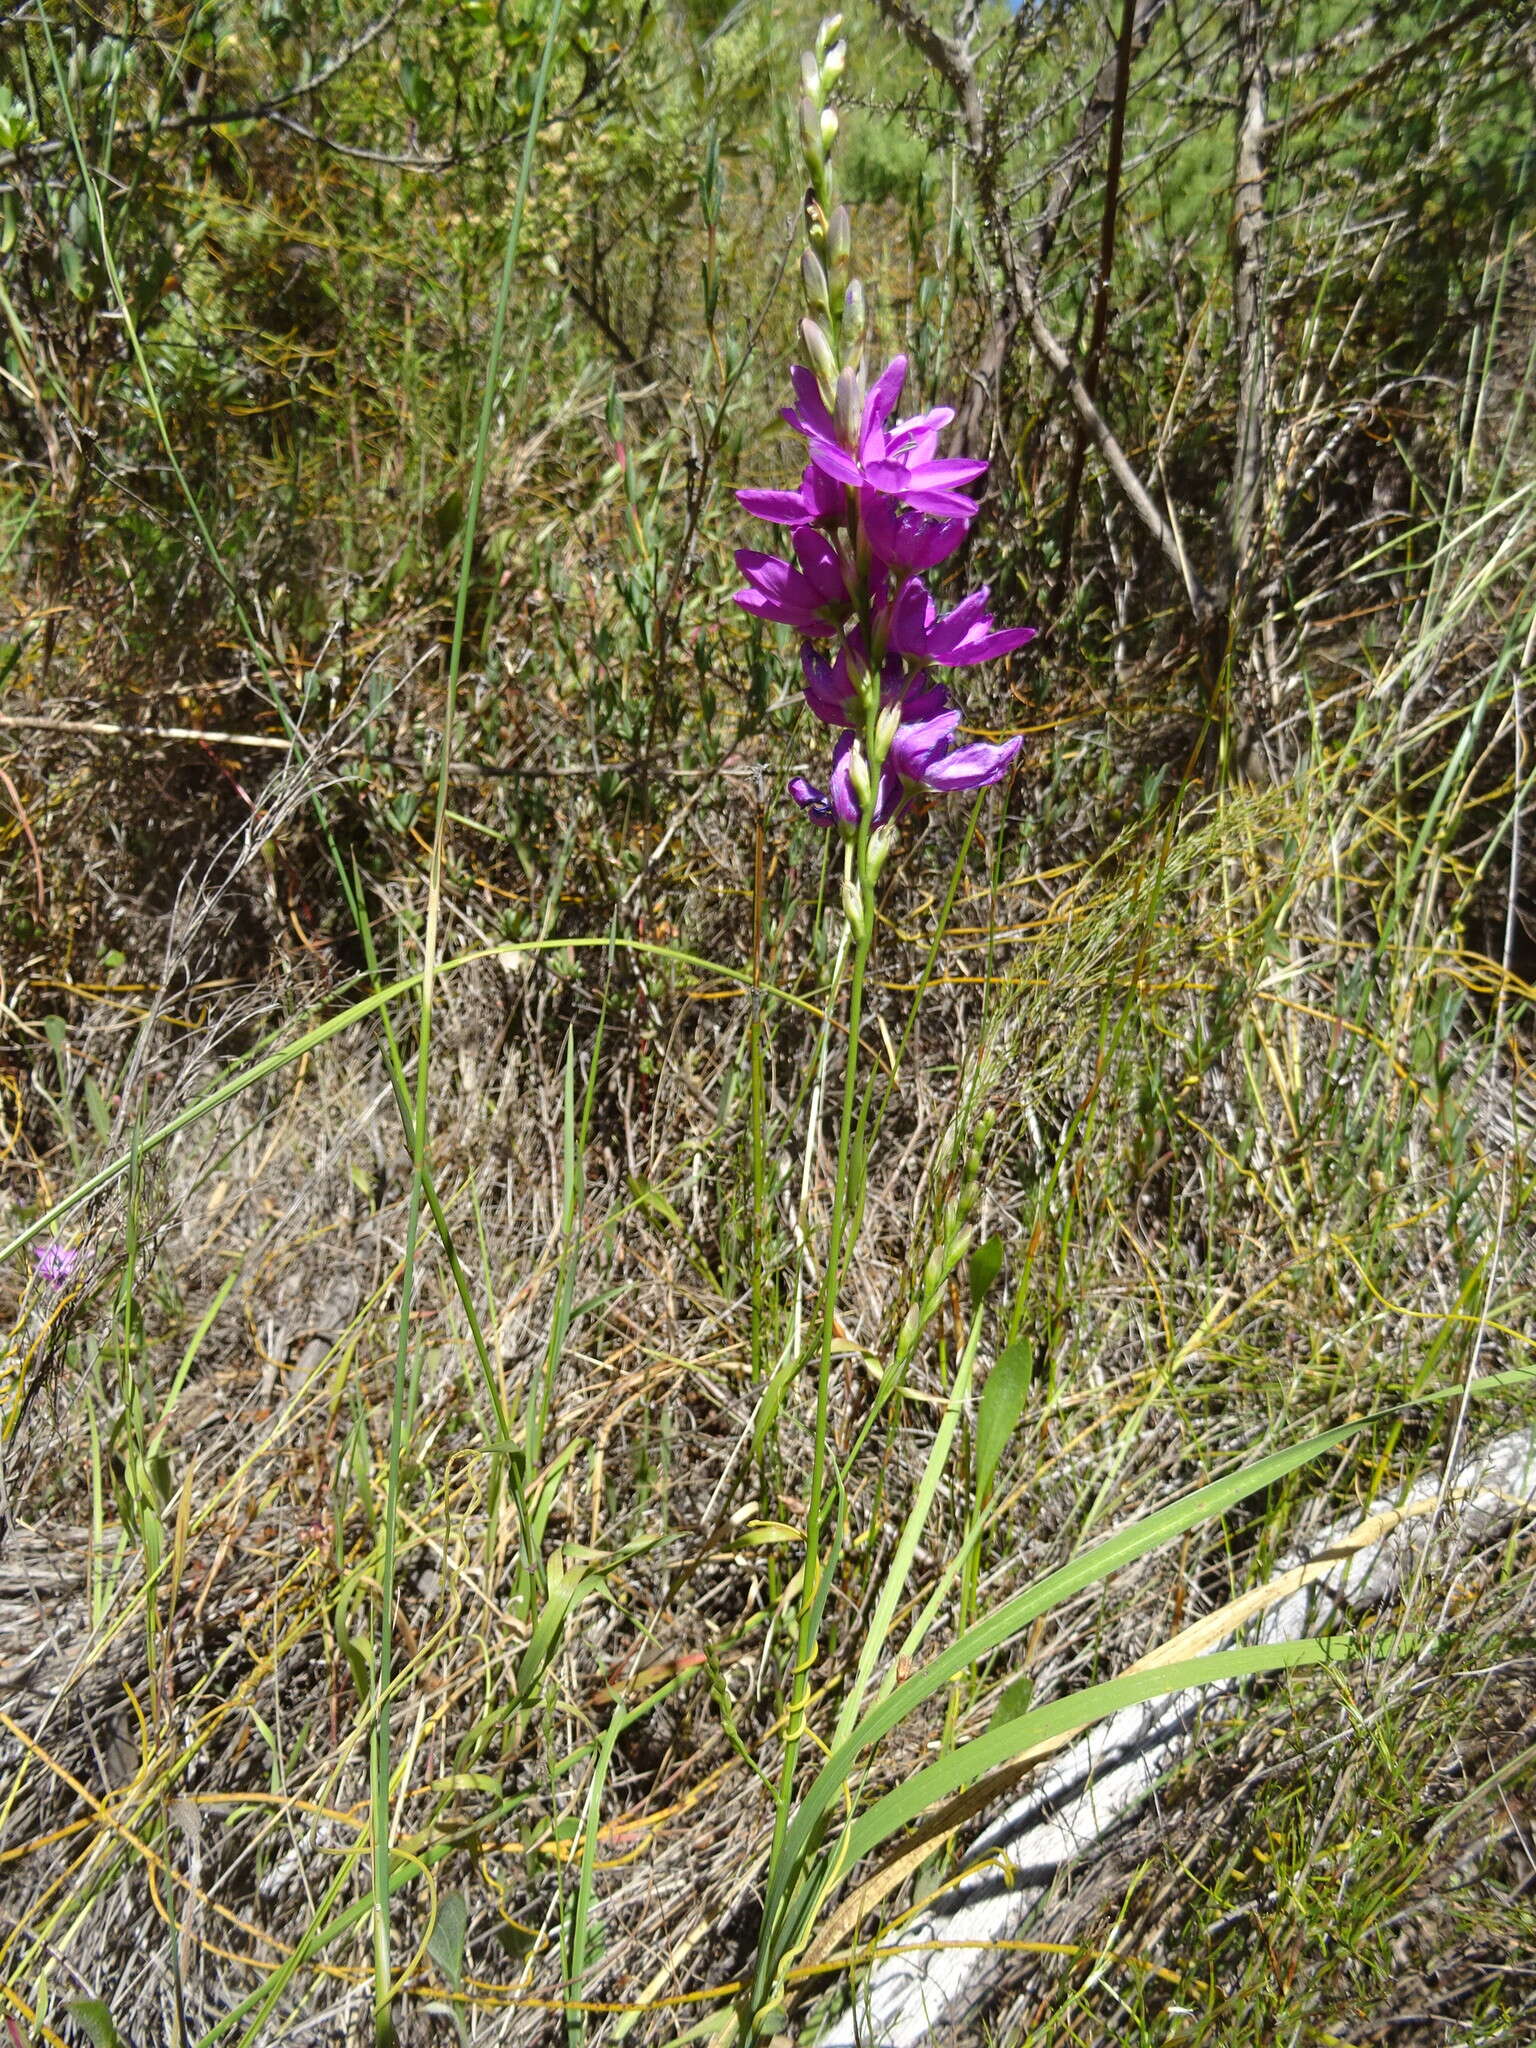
[{"x": 876, "y": 509}]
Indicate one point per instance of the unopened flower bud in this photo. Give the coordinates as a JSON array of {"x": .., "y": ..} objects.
[
  {"x": 858, "y": 774},
  {"x": 810, "y": 134},
  {"x": 847, "y": 411},
  {"x": 819, "y": 349},
  {"x": 853, "y": 905},
  {"x": 839, "y": 245},
  {"x": 828, "y": 127},
  {"x": 881, "y": 846},
  {"x": 813, "y": 280},
  {"x": 887, "y": 725},
  {"x": 834, "y": 64},
  {"x": 810, "y": 76},
  {"x": 854, "y": 311},
  {"x": 828, "y": 33},
  {"x": 815, "y": 224}
]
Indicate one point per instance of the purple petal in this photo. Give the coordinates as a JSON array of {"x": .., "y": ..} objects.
[
  {"x": 811, "y": 417},
  {"x": 944, "y": 504},
  {"x": 828, "y": 692},
  {"x": 945, "y": 475},
  {"x": 919, "y": 426},
  {"x": 918, "y": 745},
  {"x": 983, "y": 646},
  {"x": 889, "y": 476},
  {"x": 882, "y": 399},
  {"x": 810, "y": 799},
  {"x": 821, "y": 564},
  {"x": 835, "y": 461},
  {"x": 840, "y": 785},
  {"x": 767, "y": 572},
  {"x": 974, "y": 767},
  {"x": 779, "y": 508},
  {"x": 910, "y": 617},
  {"x": 823, "y": 494},
  {"x": 780, "y": 612}
]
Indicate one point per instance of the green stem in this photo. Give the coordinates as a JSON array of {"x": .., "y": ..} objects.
[{"x": 846, "y": 1205}]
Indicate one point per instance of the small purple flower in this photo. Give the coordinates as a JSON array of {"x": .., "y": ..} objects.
[
  {"x": 923, "y": 761},
  {"x": 907, "y": 541},
  {"x": 812, "y": 598},
  {"x": 953, "y": 639},
  {"x": 900, "y": 463},
  {"x": 833, "y": 696},
  {"x": 818, "y": 501},
  {"x": 56, "y": 1264}
]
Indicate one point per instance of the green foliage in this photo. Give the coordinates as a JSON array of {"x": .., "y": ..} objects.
[{"x": 531, "y": 1250}]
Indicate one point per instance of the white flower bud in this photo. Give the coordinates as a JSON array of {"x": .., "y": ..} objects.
[
  {"x": 813, "y": 281},
  {"x": 881, "y": 846},
  {"x": 819, "y": 349},
  {"x": 831, "y": 28},
  {"x": 858, "y": 774},
  {"x": 887, "y": 725},
  {"x": 810, "y": 76},
  {"x": 810, "y": 134},
  {"x": 854, "y": 311},
  {"x": 828, "y": 127},
  {"x": 834, "y": 64},
  {"x": 848, "y": 409}
]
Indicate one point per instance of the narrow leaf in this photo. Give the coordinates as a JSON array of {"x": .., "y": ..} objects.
[{"x": 1001, "y": 1405}]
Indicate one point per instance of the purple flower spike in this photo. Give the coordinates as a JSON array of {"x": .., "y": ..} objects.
[
  {"x": 877, "y": 507},
  {"x": 56, "y": 1264}
]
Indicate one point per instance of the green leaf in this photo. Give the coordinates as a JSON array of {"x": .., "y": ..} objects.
[
  {"x": 1001, "y": 1405},
  {"x": 101, "y": 1121},
  {"x": 986, "y": 1262},
  {"x": 93, "y": 2017},
  {"x": 1013, "y": 1700},
  {"x": 445, "y": 1944},
  {"x": 827, "y": 1789},
  {"x": 650, "y": 1198},
  {"x": 973, "y": 1760},
  {"x": 414, "y": 89}
]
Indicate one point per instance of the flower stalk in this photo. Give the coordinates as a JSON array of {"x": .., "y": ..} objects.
[{"x": 877, "y": 508}]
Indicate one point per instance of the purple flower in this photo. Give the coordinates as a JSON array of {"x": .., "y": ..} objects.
[
  {"x": 923, "y": 761},
  {"x": 900, "y": 463},
  {"x": 813, "y": 598},
  {"x": 833, "y": 696},
  {"x": 818, "y": 500},
  {"x": 955, "y": 639},
  {"x": 906, "y": 541},
  {"x": 836, "y": 804},
  {"x": 56, "y": 1264}
]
